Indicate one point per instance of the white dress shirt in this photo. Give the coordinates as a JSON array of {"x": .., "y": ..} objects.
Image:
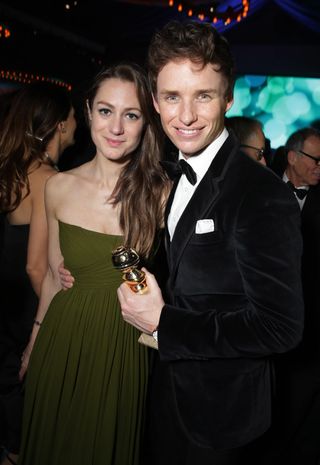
[{"x": 185, "y": 190}]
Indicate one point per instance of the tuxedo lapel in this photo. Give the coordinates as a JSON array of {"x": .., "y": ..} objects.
[
  {"x": 203, "y": 198},
  {"x": 166, "y": 215},
  {"x": 310, "y": 213},
  {"x": 309, "y": 204},
  {"x": 201, "y": 202}
]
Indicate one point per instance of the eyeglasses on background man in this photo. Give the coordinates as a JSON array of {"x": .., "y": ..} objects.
[{"x": 260, "y": 152}]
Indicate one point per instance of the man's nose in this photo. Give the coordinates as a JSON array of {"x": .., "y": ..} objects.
[{"x": 188, "y": 113}]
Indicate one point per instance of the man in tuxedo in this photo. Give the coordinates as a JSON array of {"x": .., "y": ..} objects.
[
  {"x": 297, "y": 409},
  {"x": 233, "y": 248},
  {"x": 302, "y": 172}
]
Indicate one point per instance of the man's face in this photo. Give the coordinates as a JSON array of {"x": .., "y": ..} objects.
[
  {"x": 257, "y": 142},
  {"x": 303, "y": 170},
  {"x": 191, "y": 102}
]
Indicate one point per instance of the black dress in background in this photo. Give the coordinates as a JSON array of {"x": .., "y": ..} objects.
[{"x": 18, "y": 305}]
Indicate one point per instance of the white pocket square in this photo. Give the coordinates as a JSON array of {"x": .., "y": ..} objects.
[{"x": 204, "y": 226}]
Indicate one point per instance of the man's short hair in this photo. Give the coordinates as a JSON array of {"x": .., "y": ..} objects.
[
  {"x": 296, "y": 140},
  {"x": 199, "y": 42},
  {"x": 243, "y": 127}
]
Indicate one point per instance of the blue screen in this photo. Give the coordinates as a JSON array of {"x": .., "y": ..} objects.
[{"x": 281, "y": 104}]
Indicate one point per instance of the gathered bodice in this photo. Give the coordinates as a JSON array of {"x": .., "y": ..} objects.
[{"x": 92, "y": 267}]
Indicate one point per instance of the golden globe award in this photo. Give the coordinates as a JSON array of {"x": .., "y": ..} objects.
[{"x": 126, "y": 259}]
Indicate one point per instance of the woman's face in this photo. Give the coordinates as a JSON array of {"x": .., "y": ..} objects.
[
  {"x": 116, "y": 119},
  {"x": 68, "y": 129}
]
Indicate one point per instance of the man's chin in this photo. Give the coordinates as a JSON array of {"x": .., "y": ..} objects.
[
  {"x": 188, "y": 153},
  {"x": 314, "y": 182}
]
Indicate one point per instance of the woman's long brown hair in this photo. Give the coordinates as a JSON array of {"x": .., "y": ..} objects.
[
  {"x": 29, "y": 124},
  {"x": 142, "y": 184}
]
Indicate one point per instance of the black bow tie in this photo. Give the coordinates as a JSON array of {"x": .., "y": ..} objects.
[
  {"x": 300, "y": 193},
  {"x": 175, "y": 169}
]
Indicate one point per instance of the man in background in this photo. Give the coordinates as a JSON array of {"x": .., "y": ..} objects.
[
  {"x": 250, "y": 134},
  {"x": 297, "y": 412}
]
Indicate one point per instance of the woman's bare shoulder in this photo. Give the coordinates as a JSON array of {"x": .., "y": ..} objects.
[
  {"x": 60, "y": 181},
  {"x": 64, "y": 181},
  {"x": 38, "y": 178},
  {"x": 41, "y": 173}
]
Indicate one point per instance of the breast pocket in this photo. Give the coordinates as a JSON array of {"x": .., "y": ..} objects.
[
  {"x": 207, "y": 238},
  {"x": 211, "y": 259}
]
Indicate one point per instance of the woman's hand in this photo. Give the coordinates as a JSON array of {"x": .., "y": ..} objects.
[
  {"x": 25, "y": 359},
  {"x": 27, "y": 351}
]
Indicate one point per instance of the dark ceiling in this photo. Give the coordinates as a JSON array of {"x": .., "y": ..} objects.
[{"x": 73, "y": 44}]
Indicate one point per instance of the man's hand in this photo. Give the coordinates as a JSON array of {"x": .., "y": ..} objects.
[
  {"x": 66, "y": 279},
  {"x": 142, "y": 310}
]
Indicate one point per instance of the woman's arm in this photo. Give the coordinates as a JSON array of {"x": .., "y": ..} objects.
[
  {"x": 37, "y": 259},
  {"x": 51, "y": 283}
]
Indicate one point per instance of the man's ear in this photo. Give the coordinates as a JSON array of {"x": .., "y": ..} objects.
[
  {"x": 292, "y": 157},
  {"x": 155, "y": 103},
  {"x": 229, "y": 101},
  {"x": 229, "y": 104},
  {"x": 88, "y": 110}
]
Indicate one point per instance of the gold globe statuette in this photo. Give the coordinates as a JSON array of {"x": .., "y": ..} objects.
[{"x": 126, "y": 259}]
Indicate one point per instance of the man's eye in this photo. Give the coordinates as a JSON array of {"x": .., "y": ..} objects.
[
  {"x": 171, "y": 98},
  {"x": 204, "y": 97}
]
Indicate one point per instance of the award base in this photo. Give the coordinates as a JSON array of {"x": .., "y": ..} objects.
[{"x": 148, "y": 340}]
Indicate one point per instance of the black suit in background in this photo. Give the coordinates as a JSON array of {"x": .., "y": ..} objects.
[
  {"x": 296, "y": 429},
  {"x": 235, "y": 300}
]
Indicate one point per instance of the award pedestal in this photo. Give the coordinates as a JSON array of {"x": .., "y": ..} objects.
[{"x": 148, "y": 340}]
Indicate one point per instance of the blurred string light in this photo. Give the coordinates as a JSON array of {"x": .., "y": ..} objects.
[
  {"x": 69, "y": 6},
  {"x": 20, "y": 77},
  {"x": 5, "y": 32},
  {"x": 210, "y": 13}
]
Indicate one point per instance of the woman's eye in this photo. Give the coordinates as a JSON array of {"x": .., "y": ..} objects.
[
  {"x": 104, "y": 111},
  {"x": 133, "y": 116}
]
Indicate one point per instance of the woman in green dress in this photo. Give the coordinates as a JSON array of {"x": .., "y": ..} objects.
[{"x": 87, "y": 374}]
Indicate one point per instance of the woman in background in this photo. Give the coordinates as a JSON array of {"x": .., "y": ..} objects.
[{"x": 37, "y": 127}]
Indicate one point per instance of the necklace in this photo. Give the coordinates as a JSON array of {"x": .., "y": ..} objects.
[{"x": 51, "y": 162}]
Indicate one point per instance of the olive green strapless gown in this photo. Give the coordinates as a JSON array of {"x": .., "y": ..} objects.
[{"x": 86, "y": 382}]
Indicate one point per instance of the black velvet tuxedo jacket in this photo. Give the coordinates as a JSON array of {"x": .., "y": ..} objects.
[{"x": 235, "y": 300}]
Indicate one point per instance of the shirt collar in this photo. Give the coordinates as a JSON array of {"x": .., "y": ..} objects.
[
  {"x": 200, "y": 163},
  {"x": 286, "y": 179}
]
